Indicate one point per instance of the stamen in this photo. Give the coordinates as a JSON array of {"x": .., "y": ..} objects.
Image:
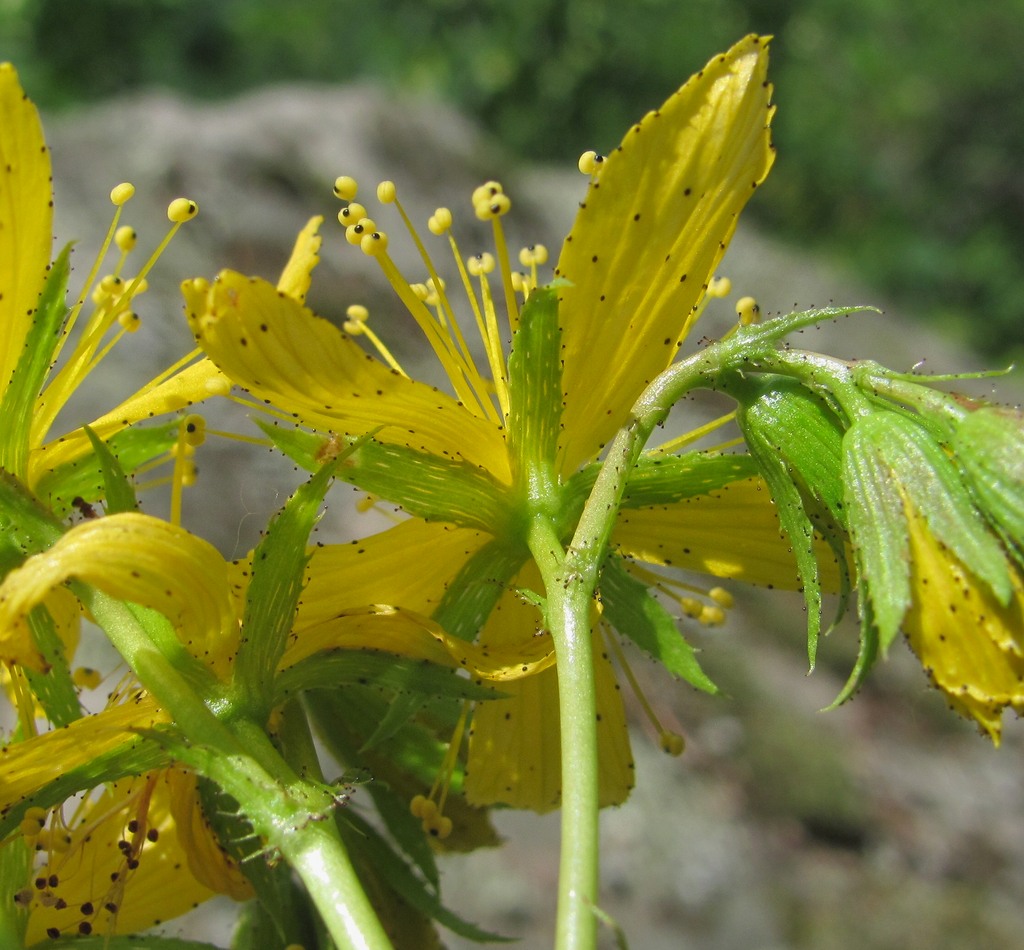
[
  {"x": 696, "y": 608},
  {"x": 590, "y": 163},
  {"x": 355, "y": 325},
  {"x": 670, "y": 742},
  {"x": 748, "y": 311},
  {"x": 424, "y": 807},
  {"x": 687, "y": 438},
  {"x": 490, "y": 203}
]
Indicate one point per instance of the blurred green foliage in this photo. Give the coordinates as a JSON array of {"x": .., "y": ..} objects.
[{"x": 901, "y": 124}]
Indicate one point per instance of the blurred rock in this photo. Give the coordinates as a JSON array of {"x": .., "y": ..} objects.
[{"x": 884, "y": 824}]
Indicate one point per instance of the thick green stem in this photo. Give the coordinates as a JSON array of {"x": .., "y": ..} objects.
[
  {"x": 568, "y": 612},
  {"x": 294, "y": 816}
]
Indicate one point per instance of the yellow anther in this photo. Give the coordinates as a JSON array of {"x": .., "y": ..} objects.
[
  {"x": 374, "y": 243},
  {"x": 32, "y": 822},
  {"x": 420, "y": 290},
  {"x": 492, "y": 207},
  {"x": 140, "y": 286},
  {"x": 712, "y": 617},
  {"x": 748, "y": 311},
  {"x": 193, "y": 428},
  {"x": 386, "y": 192},
  {"x": 129, "y": 321},
  {"x": 533, "y": 255},
  {"x": 672, "y": 743},
  {"x": 351, "y": 214},
  {"x": 442, "y": 828},
  {"x": 719, "y": 287},
  {"x": 125, "y": 238},
  {"x": 722, "y": 597},
  {"x": 121, "y": 194},
  {"x": 181, "y": 210},
  {"x": 485, "y": 192},
  {"x": 357, "y": 312},
  {"x": 85, "y": 677},
  {"x": 440, "y": 221},
  {"x": 110, "y": 283},
  {"x": 590, "y": 162},
  {"x": 364, "y": 505},
  {"x": 355, "y": 233},
  {"x": 345, "y": 187},
  {"x": 480, "y": 264},
  {"x": 519, "y": 282},
  {"x": 691, "y": 607},
  {"x": 189, "y": 473}
]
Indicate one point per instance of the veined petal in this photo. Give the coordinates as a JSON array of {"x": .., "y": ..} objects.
[
  {"x": 26, "y": 217},
  {"x": 270, "y": 344},
  {"x": 298, "y": 272},
  {"x": 410, "y": 564},
  {"x": 654, "y": 225},
  {"x": 402, "y": 632},
  {"x": 732, "y": 532},
  {"x": 133, "y": 557},
  {"x": 185, "y": 388},
  {"x": 514, "y": 743},
  {"x": 25, "y": 767},
  {"x": 966, "y": 640}
]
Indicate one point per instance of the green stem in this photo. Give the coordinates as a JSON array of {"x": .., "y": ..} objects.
[
  {"x": 294, "y": 816},
  {"x": 569, "y": 598}
]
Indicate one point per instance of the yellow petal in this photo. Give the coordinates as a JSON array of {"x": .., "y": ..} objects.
[
  {"x": 192, "y": 385},
  {"x": 27, "y": 766},
  {"x": 132, "y": 557},
  {"x": 26, "y": 217},
  {"x": 410, "y": 564},
  {"x": 207, "y": 860},
  {"x": 515, "y": 746},
  {"x": 653, "y": 227},
  {"x": 965, "y": 639},
  {"x": 411, "y": 635},
  {"x": 267, "y": 342},
  {"x": 732, "y": 532},
  {"x": 515, "y": 749},
  {"x": 298, "y": 272}
]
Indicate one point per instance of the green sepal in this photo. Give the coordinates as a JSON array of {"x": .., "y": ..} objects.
[
  {"x": 118, "y": 493},
  {"x": 16, "y": 860},
  {"x": 363, "y": 841},
  {"x": 19, "y": 401},
  {"x": 988, "y": 444},
  {"x": 134, "y": 757},
  {"x": 867, "y": 653},
  {"x": 635, "y": 613},
  {"x": 340, "y": 667},
  {"x": 26, "y": 527},
  {"x": 83, "y": 477},
  {"x": 535, "y": 383},
  {"x": 277, "y": 575},
  {"x": 796, "y": 440},
  {"x": 890, "y": 461},
  {"x": 54, "y": 689},
  {"x": 304, "y": 448},
  {"x": 283, "y": 911}
]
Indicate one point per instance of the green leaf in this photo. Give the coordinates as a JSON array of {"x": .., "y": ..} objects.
[
  {"x": 635, "y": 613},
  {"x": 19, "y": 400},
  {"x": 535, "y": 383},
  {"x": 867, "y": 653},
  {"x": 26, "y": 527},
  {"x": 667, "y": 479},
  {"x": 118, "y": 492}
]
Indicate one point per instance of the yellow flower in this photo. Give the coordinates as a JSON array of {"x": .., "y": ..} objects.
[
  {"x": 633, "y": 276},
  {"x": 139, "y": 850},
  {"x": 35, "y": 324}
]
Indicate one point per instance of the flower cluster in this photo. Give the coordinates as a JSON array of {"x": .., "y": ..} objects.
[{"x": 469, "y": 655}]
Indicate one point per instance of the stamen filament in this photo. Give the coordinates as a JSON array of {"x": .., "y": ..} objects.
[
  {"x": 505, "y": 268},
  {"x": 687, "y": 438}
]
